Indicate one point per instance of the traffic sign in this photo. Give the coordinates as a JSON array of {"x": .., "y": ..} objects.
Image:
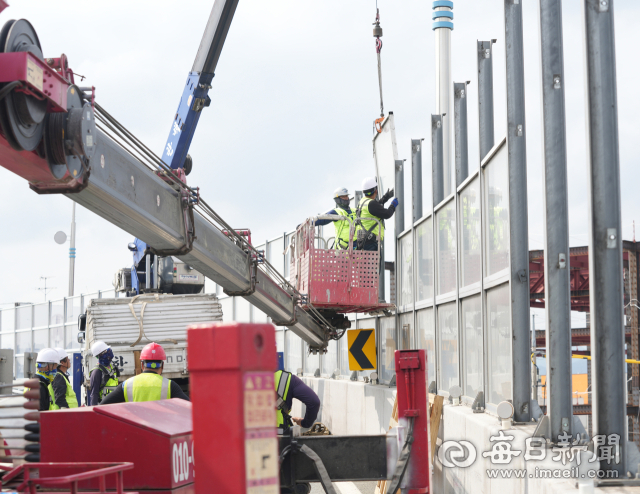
[{"x": 362, "y": 349}]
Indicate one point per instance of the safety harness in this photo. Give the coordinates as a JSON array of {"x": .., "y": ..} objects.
[{"x": 364, "y": 235}]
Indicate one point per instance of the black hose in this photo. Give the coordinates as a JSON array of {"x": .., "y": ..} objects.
[{"x": 8, "y": 88}]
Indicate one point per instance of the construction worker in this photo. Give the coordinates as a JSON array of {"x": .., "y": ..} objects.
[
  {"x": 368, "y": 231},
  {"x": 289, "y": 387},
  {"x": 60, "y": 388},
  {"x": 149, "y": 385},
  {"x": 104, "y": 376},
  {"x": 47, "y": 367},
  {"x": 341, "y": 197}
]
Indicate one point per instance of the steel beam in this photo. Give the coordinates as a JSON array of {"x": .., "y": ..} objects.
[
  {"x": 485, "y": 96},
  {"x": 556, "y": 220},
  {"x": 605, "y": 244},
  {"x": 215, "y": 34},
  {"x": 437, "y": 164},
  {"x": 416, "y": 178},
  {"x": 399, "y": 193},
  {"x": 460, "y": 131}
]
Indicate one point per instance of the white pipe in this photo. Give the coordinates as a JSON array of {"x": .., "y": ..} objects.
[{"x": 443, "y": 96}]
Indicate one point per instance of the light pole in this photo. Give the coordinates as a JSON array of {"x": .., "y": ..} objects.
[{"x": 61, "y": 238}]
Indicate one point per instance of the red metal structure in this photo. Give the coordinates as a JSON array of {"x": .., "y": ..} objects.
[{"x": 341, "y": 280}]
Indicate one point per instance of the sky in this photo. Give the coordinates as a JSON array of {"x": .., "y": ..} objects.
[{"x": 293, "y": 102}]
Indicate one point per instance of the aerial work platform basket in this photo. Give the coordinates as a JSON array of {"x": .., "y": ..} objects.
[{"x": 343, "y": 280}]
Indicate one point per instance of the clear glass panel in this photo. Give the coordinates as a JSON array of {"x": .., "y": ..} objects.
[
  {"x": 274, "y": 254},
  {"x": 8, "y": 321},
  {"x": 405, "y": 259},
  {"x": 71, "y": 336},
  {"x": 74, "y": 307},
  {"x": 473, "y": 346},
  {"x": 406, "y": 330},
  {"x": 446, "y": 248},
  {"x": 41, "y": 315},
  {"x": 24, "y": 317},
  {"x": 226, "y": 304},
  {"x": 7, "y": 341},
  {"x": 424, "y": 251},
  {"x": 19, "y": 367},
  {"x": 293, "y": 362},
  {"x": 449, "y": 350},
  {"x": 343, "y": 356},
  {"x": 311, "y": 362},
  {"x": 108, "y": 294},
  {"x": 330, "y": 359},
  {"x": 471, "y": 269},
  {"x": 57, "y": 337},
  {"x": 23, "y": 342},
  {"x": 427, "y": 340},
  {"x": 499, "y": 344},
  {"x": 243, "y": 310},
  {"x": 57, "y": 312},
  {"x": 387, "y": 345},
  {"x": 259, "y": 316},
  {"x": 40, "y": 339},
  {"x": 496, "y": 198},
  {"x": 287, "y": 257},
  {"x": 279, "y": 340}
]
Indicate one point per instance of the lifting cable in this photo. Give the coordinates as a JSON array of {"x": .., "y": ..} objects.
[{"x": 377, "y": 34}]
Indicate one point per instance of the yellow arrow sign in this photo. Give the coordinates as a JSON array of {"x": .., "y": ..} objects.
[{"x": 362, "y": 349}]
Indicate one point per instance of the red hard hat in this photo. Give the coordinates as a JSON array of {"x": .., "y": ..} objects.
[{"x": 153, "y": 351}]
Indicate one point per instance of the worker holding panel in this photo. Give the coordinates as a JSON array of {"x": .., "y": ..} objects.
[
  {"x": 104, "y": 376},
  {"x": 149, "y": 385},
  {"x": 289, "y": 387},
  {"x": 60, "y": 388},
  {"x": 368, "y": 231},
  {"x": 341, "y": 197}
]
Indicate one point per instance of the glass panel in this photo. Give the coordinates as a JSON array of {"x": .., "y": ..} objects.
[
  {"x": 108, "y": 294},
  {"x": 446, "y": 248},
  {"x": 406, "y": 330},
  {"x": 499, "y": 344},
  {"x": 24, "y": 318},
  {"x": 226, "y": 304},
  {"x": 427, "y": 340},
  {"x": 448, "y": 331},
  {"x": 73, "y": 309},
  {"x": 71, "y": 336},
  {"x": 471, "y": 269},
  {"x": 287, "y": 257},
  {"x": 386, "y": 365},
  {"x": 8, "y": 321},
  {"x": 330, "y": 359},
  {"x": 19, "y": 367},
  {"x": 243, "y": 310},
  {"x": 41, "y": 315},
  {"x": 473, "y": 346},
  {"x": 40, "y": 339},
  {"x": 274, "y": 254},
  {"x": 57, "y": 312},
  {"x": 7, "y": 341},
  {"x": 311, "y": 362},
  {"x": 496, "y": 198},
  {"x": 293, "y": 360},
  {"x": 57, "y": 337},
  {"x": 424, "y": 251},
  {"x": 343, "y": 356},
  {"x": 23, "y": 342},
  {"x": 280, "y": 340},
  {"x": 405, "y": 258}
]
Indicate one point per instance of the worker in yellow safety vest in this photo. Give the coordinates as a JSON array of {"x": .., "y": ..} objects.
[
  {"x": 370, "y": 209},
  {"x": 148, "y": 385},
  {"x": 47, "y": 368},
  {"x": 104, "y": 376},
  {"x": 287, "y": 388},
  {"x": 60, "y": 388},
  {"x": 343, "y": 227}
]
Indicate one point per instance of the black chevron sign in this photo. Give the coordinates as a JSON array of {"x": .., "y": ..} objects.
[{"x": 362, "y": 349}]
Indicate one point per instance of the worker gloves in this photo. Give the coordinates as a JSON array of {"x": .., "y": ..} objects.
[
  {"x": 388, "y": 195},
  {"x": 394, "y": 203}
]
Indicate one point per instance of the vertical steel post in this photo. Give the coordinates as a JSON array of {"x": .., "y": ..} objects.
[
  {"x": 154, "y": 280},
  {"x": 399, "y": 193},
  {"x": 518, "y": 211},
  {"x": 416, "y": 178},
  {"x": 147, "y": 274},
  {"x": 442, "y": 26},
  {"x": 460, "y": 131},
  {"x": 605, "y": 246},
  {"x": 72, "y": 249},
  {"x": 437, "y": 171},
  {"x": 485, "y": 96},
  {"x": 556, "y": 219}
]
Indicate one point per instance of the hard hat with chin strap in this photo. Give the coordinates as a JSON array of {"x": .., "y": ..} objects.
[
  {"x": 340, "y": 191},
  {"x": 62, "y": 354},
  {"x": 47, "y": 356},
  {"x": 369, "y": 183},
  {"x": 98, "y": 347}
]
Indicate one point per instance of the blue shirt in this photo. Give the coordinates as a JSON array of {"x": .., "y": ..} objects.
[{"x": 333, "y": 211}]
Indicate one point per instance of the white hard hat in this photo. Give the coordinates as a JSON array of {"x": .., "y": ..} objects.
[
  {"x": 62, "y": 353},
  {"x": 340, "y": 191},
  {"x": 98, "y": 347},
  {"x": 47, "y": 356},
  {"x": 369, "y": 183}
]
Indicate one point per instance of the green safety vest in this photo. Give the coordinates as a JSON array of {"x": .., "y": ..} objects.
[
  {"x": 109, "y": 380},
  {"x": 147, "y": 386},
  {"x": 49, "y": 388},
  {"x": 70, "y": 396},
  {"x": 282, "y": 391},
  {"x": 342, "y": 229},
  {"x": 364, "y": 223}
]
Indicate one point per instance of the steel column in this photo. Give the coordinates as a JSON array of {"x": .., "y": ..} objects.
[
  {"x": 485, "y": 96},
  {"x": 147, "y": 273},
  {"x": 72, "y": 250},
  {"x": 605, "y": 246},
  {"x": 437, "y": 172},
  {"x": 518, "y": 210},
  {"x": 460, "y": 131},
  {"x": 416, "y": 178},
  {"x": 556, "y": 220},
  {"x": 399, "y": 193}
]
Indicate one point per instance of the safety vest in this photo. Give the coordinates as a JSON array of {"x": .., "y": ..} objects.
[
  {"x": 147, "y": 386},
  {"x": 70, "y": 395},
  {"x": 109, "y": 381},
  {"x": 42, "y": 380},
  {"x": 282, "y": 391},
  {"x": 343, "y": 228},
  {"x": 365, "y": 224}
]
